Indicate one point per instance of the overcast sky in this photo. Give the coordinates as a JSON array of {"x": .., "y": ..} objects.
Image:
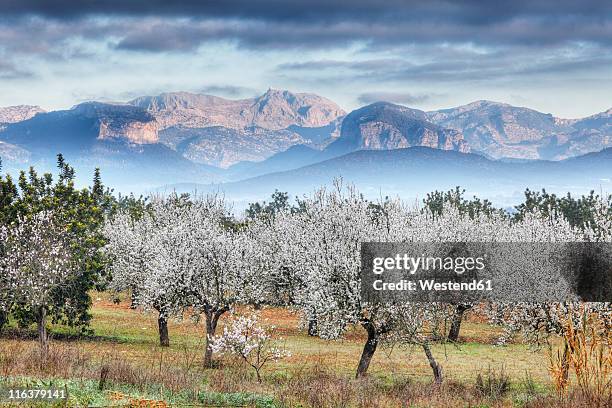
[{"x": 551, "y": 55}]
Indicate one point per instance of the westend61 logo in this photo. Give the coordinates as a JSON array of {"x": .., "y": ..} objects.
[{"x": 477, "y": 271}]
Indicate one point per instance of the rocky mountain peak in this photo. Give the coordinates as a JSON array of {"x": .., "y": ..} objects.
[
  {"x": 491, "y": 127},
  {"x": 485, "y": 103},
  {"x": 386, "y": 126},
  {"x": 18, "y": 113},
  {"x": 274, "y": 110},
  {"x": 178, "y": 101},
  {"x": 387, "y": 109},
  {"x": 279, "y": 109},
  {"x": 120, "y": 121}
]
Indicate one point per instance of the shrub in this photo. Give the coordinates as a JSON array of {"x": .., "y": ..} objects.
[{"x": 494, "y": 385}]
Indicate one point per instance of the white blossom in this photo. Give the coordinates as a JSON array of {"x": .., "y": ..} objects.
[{"x": 250, "y": 342}]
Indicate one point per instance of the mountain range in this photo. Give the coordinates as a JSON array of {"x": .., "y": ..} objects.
[{"x": 191, "y": 138}]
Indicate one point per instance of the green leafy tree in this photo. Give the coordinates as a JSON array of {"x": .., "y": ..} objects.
[
  {"x": 279, "y": 203},
  {"x": 79, "y": 212},
  {"x": 580, "y": 212},
  {"x": 437, "y": 200}
]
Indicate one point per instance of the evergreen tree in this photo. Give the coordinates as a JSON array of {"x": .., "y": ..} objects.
[{"x": 80, "y": 214}]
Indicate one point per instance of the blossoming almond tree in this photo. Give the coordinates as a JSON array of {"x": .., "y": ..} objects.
[
  {"x": 322, "y": 251},
  {"x": 215, "y": 271},
  {"x": 325, "y": 240},
  {"x": 181, "y": 254},
  {"x": 148, "y": 254},
  {"x": 250, "y": 342},
  {"x": 215, "y": 264},
  {"x": 37, "y": 262},
  {"x": 134, "y": 251},
  {"x": 535, "y": 322}
]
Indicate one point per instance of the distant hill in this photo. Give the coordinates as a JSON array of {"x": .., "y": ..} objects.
[
  {"x": 222, "y": 147},
  {"x": 81, "y": 127},
  {"x": 12, "y": 114},
  {"x": 415, "y": 171},
  {"x": 221, "y": 132},
  {"x": 292, "y": 158},
  {"x": 274, "y": 110}
]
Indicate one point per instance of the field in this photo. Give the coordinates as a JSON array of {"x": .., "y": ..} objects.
[{"x": 122, "y": 353}]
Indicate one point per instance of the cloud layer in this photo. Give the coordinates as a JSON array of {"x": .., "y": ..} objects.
[
  {"x": 319, "y": 43},
  {"x": 313, "y": 23}
]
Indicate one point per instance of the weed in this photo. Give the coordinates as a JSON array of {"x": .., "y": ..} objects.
[{"x": 494, "y": 385}]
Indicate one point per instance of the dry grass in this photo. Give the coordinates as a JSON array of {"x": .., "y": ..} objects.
[
  {"x": 586, "y": 353},
  {"x": 124, "y": 351},
  {"x": 70, "y": 360},
  {"x": 135, "y": 334}
]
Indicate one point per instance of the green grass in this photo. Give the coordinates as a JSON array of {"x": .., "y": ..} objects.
[
  {"x": 462, "y": 362},
  {"x": 86, "y": 393}
]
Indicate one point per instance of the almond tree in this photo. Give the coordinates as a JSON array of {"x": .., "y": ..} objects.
[
  {"x": 434, "y": 205},
  {"x": 537, "y": 321},
  {"x": 324, "y": 243},
  {"x": 215, "y": 272},
  {"x": 146, "y": 254},
  {"x": 38, "y": 262},
  {"x": 250, "y": 342},
  {"x": 184, "y": 254}
]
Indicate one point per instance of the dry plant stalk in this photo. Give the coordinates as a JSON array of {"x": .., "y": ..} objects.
[
  {"x": 586, "y": 351},
  {"x": 129, "y": 402}
]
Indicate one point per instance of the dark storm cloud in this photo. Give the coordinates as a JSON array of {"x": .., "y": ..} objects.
[
  {"x": 155, "y": 35},
  {"x": 173, "y": 35},
  {"x": 402, "y": 98},
  {"x": 434, "y": 40},
  {"x": 185, "y": 25},
  {"x": 471, "y": 12}
]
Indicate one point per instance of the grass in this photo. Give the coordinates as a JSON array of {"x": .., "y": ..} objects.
[
  {"x": 318, "y": 374},
  {"x": 135, "y": 333}
]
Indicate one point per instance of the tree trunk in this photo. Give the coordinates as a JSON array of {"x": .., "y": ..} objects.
[
  {"x": 132, "y": 299},
  {"x": 312, "y": 327},
  {"x": 368, "y": 350},
  {"x": 212, "y": 318},
  {"x": 453, "y": 333},
  {"x": 43, "y": 338},
  {"x": 435, "y": 367},
  {"x": 162, "y": 323},
  {"x": 3, "y": 319}
]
